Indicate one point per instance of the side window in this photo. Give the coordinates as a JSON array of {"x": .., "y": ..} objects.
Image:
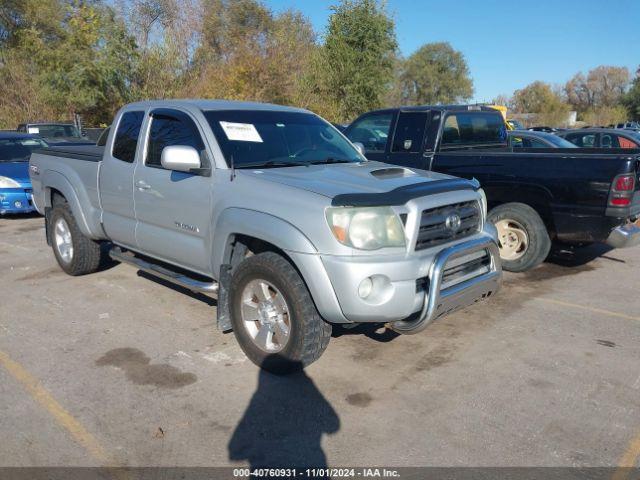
[
  {"x": 517, "y": 142},
  {"x": 372, "y": 131},
  {"x": 583, "y": 140},
  {"x": 409, "y": 132},
  {"x": 535, "y": 143},
  {"x": 474, "y": 128},
  {"x": 168, "y": 129},
  {"x": 626, "y": 143},
  {"x": 124, "y": 145}
]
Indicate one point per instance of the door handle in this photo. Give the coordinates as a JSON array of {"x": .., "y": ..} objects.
[{"x": 143, "y": 185}]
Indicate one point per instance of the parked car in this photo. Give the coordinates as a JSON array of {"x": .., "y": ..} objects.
[
  {"x": 543, "y": 129},
  {"x": 56, "y": 133},
  {"x": 602, "y": 138},
  {"x": 535, "y": 197},
  {"x": 526, "y": 139},
  {"x": 635, "y": 126},
  {"x": 274, "y": 210},
  {"x": 15, "y": 185}
]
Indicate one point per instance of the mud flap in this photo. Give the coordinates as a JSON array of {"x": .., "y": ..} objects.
[{"x": 224, "y": 313}]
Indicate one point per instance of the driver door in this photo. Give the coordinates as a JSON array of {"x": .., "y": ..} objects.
[{"x": 173, "y": 209}]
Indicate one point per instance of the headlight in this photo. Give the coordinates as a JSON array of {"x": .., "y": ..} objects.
[
  {"x": 366, "y": 228},
  {"x": 6, "y": 182},
  {"x": 483, "y": 201}
]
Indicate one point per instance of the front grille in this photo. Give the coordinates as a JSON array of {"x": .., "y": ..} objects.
[
  {"x": 465, "y": 268},
  {"x": 436, "y": 230}
]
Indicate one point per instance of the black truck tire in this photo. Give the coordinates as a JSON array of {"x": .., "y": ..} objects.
[
  {"x": 265, "y": 293},
  {"x": 523, "y": 238},
  {"x": 76, "y": 254}
]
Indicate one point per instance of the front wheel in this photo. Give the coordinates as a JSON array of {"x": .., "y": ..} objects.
[
  {"x": 523, "y": 239},
  {"x": 273, "y": 315}
]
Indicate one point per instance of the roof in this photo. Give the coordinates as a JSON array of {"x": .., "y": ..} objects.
[
  {"x": 11, "y": 135},
  {"x": 442, "y": 108},
  {"x": 214, "y": 105},
  {"x": 614, "y": 131}
]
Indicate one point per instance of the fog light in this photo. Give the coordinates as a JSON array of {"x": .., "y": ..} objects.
[
  {"x": 17, "y": 204},
  {"x": 366, "y": 285}
]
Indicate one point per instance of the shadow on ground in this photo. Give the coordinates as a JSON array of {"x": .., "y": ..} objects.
[{"x": 283, "y": 424}]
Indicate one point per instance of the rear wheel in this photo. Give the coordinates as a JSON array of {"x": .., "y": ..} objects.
[
  {"x": 273, "y": 315},
  {"x": 522, "y": 236},
  {"x": 76, "y": 254}
]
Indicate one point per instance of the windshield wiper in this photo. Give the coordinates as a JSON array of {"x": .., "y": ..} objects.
[
  {"x": 272, "y": 164},
  {"x": 331, "y": 160}
]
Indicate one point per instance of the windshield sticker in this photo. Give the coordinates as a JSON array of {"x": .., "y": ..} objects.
[
  {"x": 241, "y": 132},
  {"x": 33, "y": 130}
]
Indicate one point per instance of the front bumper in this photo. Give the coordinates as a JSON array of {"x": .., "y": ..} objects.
[
  {"x": 409, "y": 285},
  {"x": 625, "y": 236},
  {"x": 16, "y": 200}
]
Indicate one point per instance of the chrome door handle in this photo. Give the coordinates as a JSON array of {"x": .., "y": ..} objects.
[{"x": 143, "y": 185}]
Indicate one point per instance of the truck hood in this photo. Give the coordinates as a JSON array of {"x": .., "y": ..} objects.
[
  {"x": 18, "y": 171},
  {"x": 342, "y": 178}
]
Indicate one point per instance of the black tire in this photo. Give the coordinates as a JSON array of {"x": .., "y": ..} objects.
[
  {"x": 86, "y": 254},
  {"x": 309, "y": 334},
  {"x": 538, "y": 242}
]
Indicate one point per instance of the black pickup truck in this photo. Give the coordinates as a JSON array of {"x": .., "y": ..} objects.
[{"x": 535, "y": 196}]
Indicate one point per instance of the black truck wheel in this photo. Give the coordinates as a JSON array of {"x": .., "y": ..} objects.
[
  {"x": 76, "y": 254},
  {"x": 522, "y": 235},
  {"x": 273, "y": 315}
]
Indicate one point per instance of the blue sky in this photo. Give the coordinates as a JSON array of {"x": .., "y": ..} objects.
[{"x": 510, "y": 43}]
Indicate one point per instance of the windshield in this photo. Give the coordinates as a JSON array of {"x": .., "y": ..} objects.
[
  {"x": 19, "y": 149},
  {"x": 256, "y": 138},
  {"x": 55, "y": 130},
  {"x": 560, "y": 142}
]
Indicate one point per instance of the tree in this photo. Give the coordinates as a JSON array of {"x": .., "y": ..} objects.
[
  {"x": 436, "y": 73},
  {"x": 632, "y": 99},
  {"x": 353, "y": 69},
  {"x": 603, "y": 86},
  {"x": 539, "y": 97}
]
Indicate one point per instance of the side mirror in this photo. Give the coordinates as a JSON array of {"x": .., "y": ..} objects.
[
  {"x": 360, "y": 147},
  {"x": 181, "y": 158}
]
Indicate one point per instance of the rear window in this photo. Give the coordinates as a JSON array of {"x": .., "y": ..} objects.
[
  {"x": 474, "y": 128},
  {"x": 124, "y": 145},
  {"x": 19, "y": 149}
]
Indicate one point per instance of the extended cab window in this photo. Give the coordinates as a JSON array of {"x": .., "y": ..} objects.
[
  {"x": 409, "y": 132},
  {"x": 473, "y": 128},
  {"x": 124, "y": 145},
  {"x": 372, "y": 131},
  {"x": 169, "y": 129}
]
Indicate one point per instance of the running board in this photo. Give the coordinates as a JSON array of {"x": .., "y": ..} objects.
[{"x": 174, "y": 277}]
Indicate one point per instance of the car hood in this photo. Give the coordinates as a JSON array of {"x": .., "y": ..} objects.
[
  {"x": 18, "y": 171},
  {"x": 336, "y": 179}
]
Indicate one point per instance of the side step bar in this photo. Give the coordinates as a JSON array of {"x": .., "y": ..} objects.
[{"x": 189, "y": 283}]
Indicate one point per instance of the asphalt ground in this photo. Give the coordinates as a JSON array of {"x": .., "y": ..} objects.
[{"x": 118, "y": 368}]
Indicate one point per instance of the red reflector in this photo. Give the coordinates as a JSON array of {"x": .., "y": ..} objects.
[
  {"x": 620, "y": 202},
  {"x": 625, "y": 183}
]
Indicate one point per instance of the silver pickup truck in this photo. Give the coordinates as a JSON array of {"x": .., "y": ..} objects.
[{"x": 274, "y": 211}]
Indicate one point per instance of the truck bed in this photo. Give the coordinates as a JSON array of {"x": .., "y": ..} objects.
[{"x": 73, "y": 171}]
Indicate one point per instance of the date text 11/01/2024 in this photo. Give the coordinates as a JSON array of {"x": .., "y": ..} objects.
[{"x": 316, "y": 473}]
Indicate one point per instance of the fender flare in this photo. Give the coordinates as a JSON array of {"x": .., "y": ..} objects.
[
  {"x": 264, "y": 226},
  {"x": 57, "y": 181}
]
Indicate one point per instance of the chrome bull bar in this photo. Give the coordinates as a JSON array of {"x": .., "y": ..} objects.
[{"x": 440, "y": 302}]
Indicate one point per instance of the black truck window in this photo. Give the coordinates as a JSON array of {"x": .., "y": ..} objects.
[
  {"x": 168, "y": 130},
  {"x": 473, "y": 128},
  {"x": 124, "y": 145},
  {"x": 372, "y": 131},
  {"x": 409, "y": 132}
]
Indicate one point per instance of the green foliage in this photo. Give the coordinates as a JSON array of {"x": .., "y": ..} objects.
[
  {"x": 632, "y": 99},
  {"x": 538, "y": 97},
  {"x": 436, "y": 73},
  {"x": 354, "y": 68}
]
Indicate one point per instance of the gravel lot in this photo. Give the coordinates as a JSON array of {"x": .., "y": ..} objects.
[{"x": 119, "y": 368}]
